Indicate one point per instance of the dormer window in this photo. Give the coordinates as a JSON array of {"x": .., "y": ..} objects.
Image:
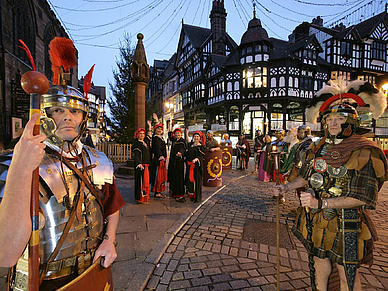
[
  {"x": 258, "y": 48},
  {"x": 249, "y": 49},
  {"x": 379, "y": 51},
  {"x": 346, "y": 49}
]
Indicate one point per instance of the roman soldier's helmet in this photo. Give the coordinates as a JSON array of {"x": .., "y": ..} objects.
[
  {"x": 305, "y": 128},
  {"x": 63, "y": 57},
  {"x": 358, "y": 101}
]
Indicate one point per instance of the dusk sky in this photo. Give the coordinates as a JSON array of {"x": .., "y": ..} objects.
[{"x": 98, "y": 26}]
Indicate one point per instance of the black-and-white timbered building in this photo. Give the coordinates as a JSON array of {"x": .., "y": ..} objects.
[{"x": 265, "y": 83}]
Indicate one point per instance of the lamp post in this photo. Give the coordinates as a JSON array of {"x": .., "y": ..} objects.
[{"x": 385, "y": 89}]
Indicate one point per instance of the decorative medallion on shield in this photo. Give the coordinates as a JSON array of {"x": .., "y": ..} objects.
[{"x": 226, "y": 157}]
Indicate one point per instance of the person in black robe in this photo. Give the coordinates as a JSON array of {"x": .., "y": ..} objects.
[
  {"x": 176, "y": 165},
  {"x": 142, "y": 158},
  {"x": 158, "y": 167},
  {"x": 195, "y": 156}
]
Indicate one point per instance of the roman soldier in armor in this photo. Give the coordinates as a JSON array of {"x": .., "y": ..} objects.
[
  {"x": 343, "y": 173},
  {"x": 243, "y": 152},
  {"x": 78, "y": 199},
  {"x": 296, "y": 155},
  {"x": 279, "y": 145}
]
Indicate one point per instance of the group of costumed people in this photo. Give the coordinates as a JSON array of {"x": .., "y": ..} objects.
[
  {"x": 150, "y": 156},
  {"x": 79, "y": 202},
  {"x": 337, "y": 178}
]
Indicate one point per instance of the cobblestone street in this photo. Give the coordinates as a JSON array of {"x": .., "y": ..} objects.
[{"x": 230, "y": 244}]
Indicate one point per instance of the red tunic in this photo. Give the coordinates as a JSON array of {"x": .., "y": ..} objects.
[{"x": 113, "y": 200}]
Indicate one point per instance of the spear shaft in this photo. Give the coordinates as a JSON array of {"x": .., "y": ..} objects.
[
  {"x": 33, "y": 247},
  {"x": 276, "y": 159}
]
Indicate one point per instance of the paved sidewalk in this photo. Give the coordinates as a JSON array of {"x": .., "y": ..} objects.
[
  {"x": 229, "y": 244},
  {"x": 226, "y": 243},
  {"x": 145, "y": 231}
]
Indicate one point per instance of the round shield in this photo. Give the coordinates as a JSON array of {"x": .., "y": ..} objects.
[
  {"x": 226, "y": 157},
  {"x": 337, "y": 172},
  {"x": 320, "y": 165},
  {"x": 316, "y": 180},
  {"x": 214, "y": 167}
]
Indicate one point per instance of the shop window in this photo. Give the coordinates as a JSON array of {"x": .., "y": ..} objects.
[
  {"x": 234, "y": 118},
  {"x": 247, "y": 122}
]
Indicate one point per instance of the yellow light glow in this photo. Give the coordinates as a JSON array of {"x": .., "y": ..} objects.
[
  {"x": 167, "y": 105},
  {"x": 385, "y": 87}
]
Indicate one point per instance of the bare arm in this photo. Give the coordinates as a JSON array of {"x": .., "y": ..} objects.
[
  {"x": 107, "y": 249},
  {"x": 282, "y": 189},
  {"x": 15, "y": 220},
  {"x": 308, "y": 200}
]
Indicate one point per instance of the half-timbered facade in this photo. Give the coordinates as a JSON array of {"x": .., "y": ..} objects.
[{"x": 266, "y": 83}]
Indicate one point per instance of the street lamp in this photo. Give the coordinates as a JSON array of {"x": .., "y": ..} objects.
[{"x": 384, "y": 88}]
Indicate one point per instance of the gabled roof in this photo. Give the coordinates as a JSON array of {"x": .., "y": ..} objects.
[
  {"x": 327, "y": 30},
  {"x": 280, "y": 48},
  {"x": 304, "y": 42},
  {"x": 361, "y": 30},
  {"x": 219, "y": 60},
  {"x": 233, "y": 58},
  {"x": 160, "y": 64},
  {"x": 231, "y": 42},
  {"x": 197, "y": 35},
  {"x": 366, "y": 27},
  {"x": 170, "y": 71},
  {"x": 350, "y": 30}
]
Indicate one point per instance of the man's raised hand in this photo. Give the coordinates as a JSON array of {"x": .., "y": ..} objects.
[{"x": 29, "y": 150}]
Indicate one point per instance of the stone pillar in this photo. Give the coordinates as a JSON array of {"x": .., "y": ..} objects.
[{"x": 140, "y": 73}]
